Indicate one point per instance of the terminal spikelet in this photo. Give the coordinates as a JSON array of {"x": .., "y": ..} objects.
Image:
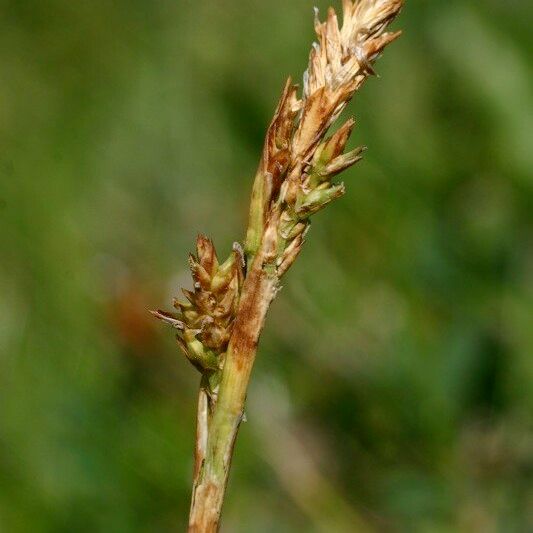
[{"x": 295, "y": 176}]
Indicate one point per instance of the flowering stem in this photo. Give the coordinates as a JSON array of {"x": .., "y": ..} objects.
[{"x": 218, "y": 328}]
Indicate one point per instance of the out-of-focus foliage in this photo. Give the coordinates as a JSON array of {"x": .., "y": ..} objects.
[{"x": 393, "y": 390}]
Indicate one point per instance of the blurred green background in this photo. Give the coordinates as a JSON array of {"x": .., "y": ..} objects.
[{"x": 393, "y": 390}]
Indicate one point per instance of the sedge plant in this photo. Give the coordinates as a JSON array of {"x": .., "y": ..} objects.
[{"x": 219, "y": 322}]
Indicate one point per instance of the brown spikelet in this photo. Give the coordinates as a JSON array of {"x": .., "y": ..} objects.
[{"x": 298, "y": 165}]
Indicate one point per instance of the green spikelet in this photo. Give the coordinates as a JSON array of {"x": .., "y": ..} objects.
[{"x": 204, "y": 321}]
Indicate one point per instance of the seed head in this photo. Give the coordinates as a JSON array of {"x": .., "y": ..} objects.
[{"x": 298, "y": 163}]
